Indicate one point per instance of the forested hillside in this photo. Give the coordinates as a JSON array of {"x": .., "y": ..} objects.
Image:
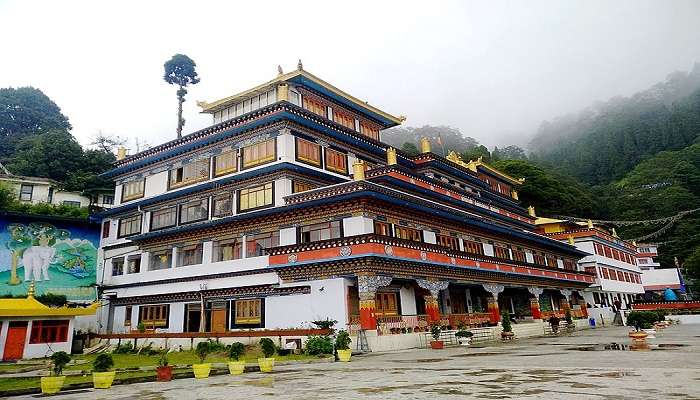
[{"x": 604, "y": 142}]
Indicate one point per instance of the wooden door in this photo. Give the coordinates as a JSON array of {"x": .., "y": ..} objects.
[
  {"x": 218, "y": 320},
  {"x": 16, "y": 337}
]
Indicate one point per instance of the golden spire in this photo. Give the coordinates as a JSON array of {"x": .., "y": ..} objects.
[
  {"x": 358, "y": 170},
  {"x": 300, "y": 66},
  {"x": 30, "y": 291},
  {"x": 514, "y": 194},
  {"x": 531, "y": 211},
  {"x": 614, "y": 234},
  {"x": 590, "y": 224},
  {"x": 121, "y": 153},
  {"x": 391, "y": 156},
  {"x": 424, "y": 145},
  {"x": 571, "y": 240},
  {"x": 279, "y": 70}
]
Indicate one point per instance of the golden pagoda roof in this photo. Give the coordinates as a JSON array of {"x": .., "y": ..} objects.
[
  {"x": 227, "y": 101},
  {"x": 31, "y": 307},
  {"x": 544, "y": 221},
  {"x": 479, "y": 162}
]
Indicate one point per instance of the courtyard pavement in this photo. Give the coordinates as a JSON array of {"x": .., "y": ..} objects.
[{"x": 565, "y": 367}]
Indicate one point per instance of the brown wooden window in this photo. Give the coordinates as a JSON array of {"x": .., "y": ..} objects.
[
  {"x": 194, "y": 211},
  {"x": 408, "y": 233},
  {"x": 519, "y": 255},
  {"x": 259, "y": 153},
  {"x": 256, "y": 245},
  {"x": 154, "y": 316},
  {"x": 133, "y": 264},
  {"x": 315, "y": 106},
  {"x": 382, "y": 228},
  {"x": 225, "y": 163},
  {"x": 161, "y": 259},
  {"x": 105, "y": 229},
  {"x": 301, "y": 186},
  {"x": 308, "y": 152},
  {"x": 255, "y": 197},
  {"x": 118, "y": 266},
  {"x": 164, "y": 218},
  {"x": 501, "y": 252},
  {"x": 608, "y": 252},
  {"x": 344, "y": 119},
  {"x": 193, "y": 172},
  {"x": 222, "y": 205},
  {"x": 248, "y": 312},
  {"x": 386, "y": 304},
  {"x": 133, "y": 190},
  {"x": 130, "y": 226},
  {"x": 189, "y": 255},
  {"x": 551, "y": 261},
  {"x": 569, "y": 265},
  {"x": 369, "y": 131},
  {"x": 225, "y": 250},
  {"x": 473, "y": 247},
  {"x": 606, "y": 273},
  {"x": 539, "y": 259},
  {"x": 127, "y": 316},
  {"x": 336, "y": 161},
  {"x": 49, "y": 331},
  {"x": 448, "y": 241},
  {"x": 322, "y": 231}
]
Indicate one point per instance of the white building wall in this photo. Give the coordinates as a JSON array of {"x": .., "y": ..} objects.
[
  {"x": 354, "y": 226},
  {"x": 326, "y": 300},
  {"x": 156, "y": 184},
  {"x": 59, "y": 197},
  {"x": 407, "y": 297},
  {"x": 288, "y": 236},
  {"x": 176, "y": 318}
]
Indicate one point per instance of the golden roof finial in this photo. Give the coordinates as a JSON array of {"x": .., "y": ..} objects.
[
  {"x": 279, "y": 70},
  {"x": 634, "y": 243},
  {"x": 391, "y": 156},
  {"x": 300, "y": 66},
  {"x": 614, "y": 234},
  {"x": 514, "y": 194},
  {"x": 30, "y": 291},
  {"x": 571, "y": 240},
  {"x": 589, "y": 223},
  {"x": 424, "y": 145},
  {"x": 121, "y": 153},
  {"x": 358, "y": 170},
  {"x": 531, "y": 211}
]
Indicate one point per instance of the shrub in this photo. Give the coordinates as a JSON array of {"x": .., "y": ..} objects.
[
  {"x": 102, "y": 363},
  {"x": 236, "y": 351},
  {"x": 317, "y": 345},
  {"x": 642, "y": 319},
  {"x": 342, "y": 340},
  {"x": 52, "y": 300},
  {"x": 215, "y": 347},
  {"x": 505, "y": 322},
  {"x": 435, "y": 331},
  {"x": 267, "y": 346},
  {"x": 124, "y": 348},
  {"x": 202, "y": 350},
  {"x": 141, "y": 327},
  {"x": 463, "y": 333},
  {"x": 163, "y": 360},
  {"x": 660, "y": 315},
  {"x": 59, "y": 360},
  {"x": 325, "y": 323}
]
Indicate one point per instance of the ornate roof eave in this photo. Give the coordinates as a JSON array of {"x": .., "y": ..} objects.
[
  {"x": 474, "y": 165},
  {"x": 305, "y": 78},
  {"x": 31, "y": 307}
]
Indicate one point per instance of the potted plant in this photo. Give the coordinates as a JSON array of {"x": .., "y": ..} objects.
[
  {"x": 141, "y": 327},
  {"x": 102, "y": 377},
  {"x": 236, "y": 367},
  {"x": 202, "y": 369},
  {"x": 53, "y": 384},
  {"x": 342, "y": 346},
  {"x": 507, "y": 333},
  {"x": 435, "y": 331},
  {"x": 164, "y": 372},
  {"x": 554, "y": 323},
  {"x": 464, "y": 337},
  {"x": 639, "y": 320},
  {"x": 268, "y": 348}
]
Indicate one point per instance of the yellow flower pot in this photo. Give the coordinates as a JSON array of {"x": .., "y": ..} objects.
[
  {"x": 344, "y": 355},
  {"x": 103, "y": 380},
  {"x": 52, "y": 384},
  {"x": 201, "y": 371},
  {"x": 236, "y": 367},
  {"x": 266, "y": 364}
]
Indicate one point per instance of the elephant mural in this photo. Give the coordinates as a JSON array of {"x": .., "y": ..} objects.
[{"x": 36, "y": 260}]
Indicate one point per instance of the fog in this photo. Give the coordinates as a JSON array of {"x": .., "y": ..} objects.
[{"x": 494, "y": 70}]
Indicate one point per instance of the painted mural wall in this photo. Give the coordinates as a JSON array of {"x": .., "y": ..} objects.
[{"x": 60, "y": 257}]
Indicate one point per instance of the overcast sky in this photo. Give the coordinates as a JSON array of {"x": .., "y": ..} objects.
[{"x": 494, "y": 70}]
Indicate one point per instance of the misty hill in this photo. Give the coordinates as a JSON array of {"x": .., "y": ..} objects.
[
  {"x": 452, "y": 138},
  {"x": 605, "y": 141}
]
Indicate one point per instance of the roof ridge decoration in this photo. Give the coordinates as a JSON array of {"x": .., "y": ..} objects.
[{"x": 479, "y": 162}]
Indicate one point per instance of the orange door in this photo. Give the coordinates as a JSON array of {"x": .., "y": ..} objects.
[
  {"x": 218, "y": 320},
  {"x": 16, "y": 336}
]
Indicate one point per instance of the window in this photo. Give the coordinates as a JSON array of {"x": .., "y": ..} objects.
[
  {"x": 570, "y": 265},
  {"x": 448, "y": 241},
  {"x": 118, "y": 266},
  {"x": 133, "y": 264},
  {"x": 315, "y": 106},
  {"x": 322, "y": 231},
  {"x": 256, "y": 244},
  {"x": 336, "y": 161},
  {"x": 344, "y": 119},
  {"x": 501, "y": 252},
  {"x": 259, "y": 153},
  {"x": 49, "y": 331},
  {"x": 608, "y": 251},
  {"x": 225, "y": 163},
  {"x": 606, "y": 273},
  {"x": 107, "y": 199},
  {"x": 133, "y": 190},
  {"x": 551, "y": 261},
  {"x": 105, "y": 229},
  {"x": 308, "y": 152},
  {"x": 248, "y": 312},
  {"x": 225, "y": 250},
  {"x": 474, "y": 247},
  {"x": 188, "y": 174},
  {"x": 255, "y": 197},
  {"x": 382, "y": 228},
  {"x": 189, "y": 255},
  {"x": 386, "y": 304},
  {"x": 50, "y": 199},
  {"x": 369, "y": 131},
  {"x": 162, "y": 259},
  {"x": 294, "y": 97},
  {"x": 154, "y": 316},
  {"x": 519, "y": 255},
  {"x": 539, "y": 259},
  {"x": 164, "y": 218},
  {"x": 71, "y": 203},
  {"x": 222, "y": 205},
  {"x": 26, "y": 192},
  {"x": 130, "y": 226},
  {"x": 127, "y": 316},
  {"x": 301, "y": 186},
  {"x": 194, "y": 211},
  {"x": 408, "y": 233}
]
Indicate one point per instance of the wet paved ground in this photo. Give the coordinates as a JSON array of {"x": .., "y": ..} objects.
[{"x": 568, "y": 367}]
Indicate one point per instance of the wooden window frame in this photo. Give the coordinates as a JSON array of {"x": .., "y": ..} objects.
[
  {"x": 236, "y": 245},
  {"x": 245, "y": 164},
  {"x": 299, "y": 186},
  {"x": 106, "y": 225},
  {"x": 218, "y": 197},
  {"x": 168, "y": 210},
  {"x": 192, "y": 180},
  {"x": 22, "y": 192},
  {"x": 398, "y": 233},
  {"x": 241, "y": 317},
  {"x": 264, "y": 186},
  {"x": 252, "y": 240},
  {"x": 331, "y": 167},
  {"x": 115, "y": 262},
  {"x": 470, "y": 245},
  {"x": 226, "y": 171},
  {"x": 49, "y": 331},
  {"x": 133, "y": 196},
  {"x": 320, "y": 227},
  {"x": 381, "y": 226},
  {"x": 447, "y": 241},
  {"x": 299, "y": 145},
  {"x": 168, "y": 254},
  {"x": 127, "y": 315},
  {"x": 191, "y": 204},
  {"x": 382, "y": 305},
  {"x": 121, "y": 222},
  {"x": 199, "y": 247},
  {"x": 151, "y": 311}
]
